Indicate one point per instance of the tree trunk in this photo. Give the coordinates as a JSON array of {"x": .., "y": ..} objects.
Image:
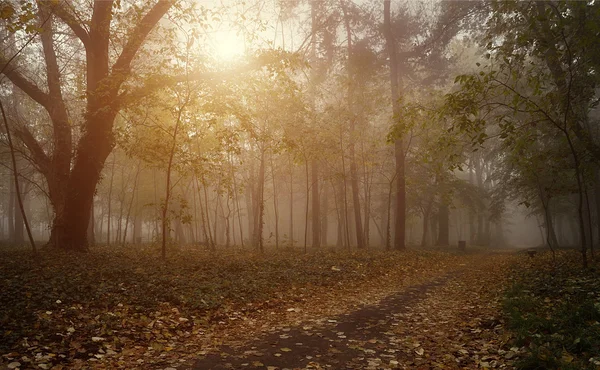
[
  {"x": 353, "y": 168},
  {"x": 324, "y": 214},
  {"x": 259, "y": 206},
  {"x": 314, "y": 163},
  {"x": 211, "y": 242},
  {"x": 91, "y": 227},
  {"x": 237, "y": 205},
  {"x": 400, "y": 209},
  {"x": 316, "y": 211},
  {"x": 137, "y": 228},
  {"x": 307, "y": 202},
  {"x": 339, "y": 242},
  {"x": 72, "y": 183},
  {"x": 110, "y": 188},
  {"x": 216, "y": 218},
  {"x": 275, "y": 206},
  {"x": 443, "y": 225},
  {"x": 133, "y": 195},
  {"x": 426, "y": 217},
  {"x": 12, "y": 206},
  {"x": 291, "y": 203},
  {"x": 367, "y": 206},
  {"x": 251, "y": 201}
]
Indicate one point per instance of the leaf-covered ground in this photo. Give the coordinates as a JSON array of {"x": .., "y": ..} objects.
[
  {"x": 124, "y": 308},
  {"x": 121, "y": 307},
  {"x": 447, "y": 319}
]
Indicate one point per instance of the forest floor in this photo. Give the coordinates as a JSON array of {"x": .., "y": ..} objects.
[{"x": 125, "y": 308}]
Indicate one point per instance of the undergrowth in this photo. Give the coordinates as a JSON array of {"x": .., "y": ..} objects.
[{"x": 553, "y": 310}]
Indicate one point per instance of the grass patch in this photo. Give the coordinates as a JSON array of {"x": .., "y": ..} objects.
[{"x": 554, "y": 313}]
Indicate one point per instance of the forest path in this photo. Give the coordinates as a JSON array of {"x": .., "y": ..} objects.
[{"x": 447, "y": 321}]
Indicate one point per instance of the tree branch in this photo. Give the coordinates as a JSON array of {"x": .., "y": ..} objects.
[
  {"x": 69, "y": 19},
  {"x": 28, "y": 87},
  {"x": 122, "y": 66},
  {"x": 39, "y": 157},
  {"x": 52, "y": 69},
  {"x": 134, "y": 94}
]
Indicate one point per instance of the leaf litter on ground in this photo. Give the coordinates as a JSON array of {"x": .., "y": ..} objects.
[{"x": 124, "y": 307}]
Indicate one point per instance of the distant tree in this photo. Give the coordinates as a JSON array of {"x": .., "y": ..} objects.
[{"x": 541, "y": 72}]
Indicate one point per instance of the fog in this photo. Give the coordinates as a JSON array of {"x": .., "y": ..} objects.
[{"x": 296, "y": 124}]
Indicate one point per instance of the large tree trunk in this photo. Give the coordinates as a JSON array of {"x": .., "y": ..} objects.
[
  {"x": 93, "y": 149},
  {"x": 72, "y": 184}
]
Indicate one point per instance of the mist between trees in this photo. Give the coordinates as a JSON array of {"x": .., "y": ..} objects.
[{"x": 301, "y": 124}]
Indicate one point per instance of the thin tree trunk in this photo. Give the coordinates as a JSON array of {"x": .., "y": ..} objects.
[
  {"x": 324, "y": 214},
  {"x": 211, "y": 244},
  {"x": 137, "y": 229},
  {"x": 216, "y": 219},
  {"x": 339, "y": 243},
  {"x": 259, "y": 204},
  {"x": 11, "y": 208},
  {"x": 195, "y": 231},
  {"x": 353, "y": 169},
  {"x": 121, "y": 205},
  {"x": 91, "y": 227},
  {"x": 16, "y": 178},
  {"x": 426, "y": 216},
  {"x": 367, "y": 203},
  {"x": 316, "y": 204},
  {"x": 133, "y": 195},
  {"x": 291, "y": 203},
  {"x": 110, "y": 188},
  {"x": 588, "y": 209},
  {"x": 237, "y": 204},
  {"x": 204, "y": 232},
  {"x": 275, "y": 207},
  {"x": 19, "y": 238},
  {"x": 307, "y": 199},
  {"x": 443, "y": 225},
  {"x": 400, "y": 223},
  {"x": 316, "y": 214},
  {"x": 388, "y": 223}
]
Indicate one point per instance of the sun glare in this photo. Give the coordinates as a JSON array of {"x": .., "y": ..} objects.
[{"x": 227, "y": 45}]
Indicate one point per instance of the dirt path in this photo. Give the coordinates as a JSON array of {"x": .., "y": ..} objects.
[{"x": 451, "y": 321}]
